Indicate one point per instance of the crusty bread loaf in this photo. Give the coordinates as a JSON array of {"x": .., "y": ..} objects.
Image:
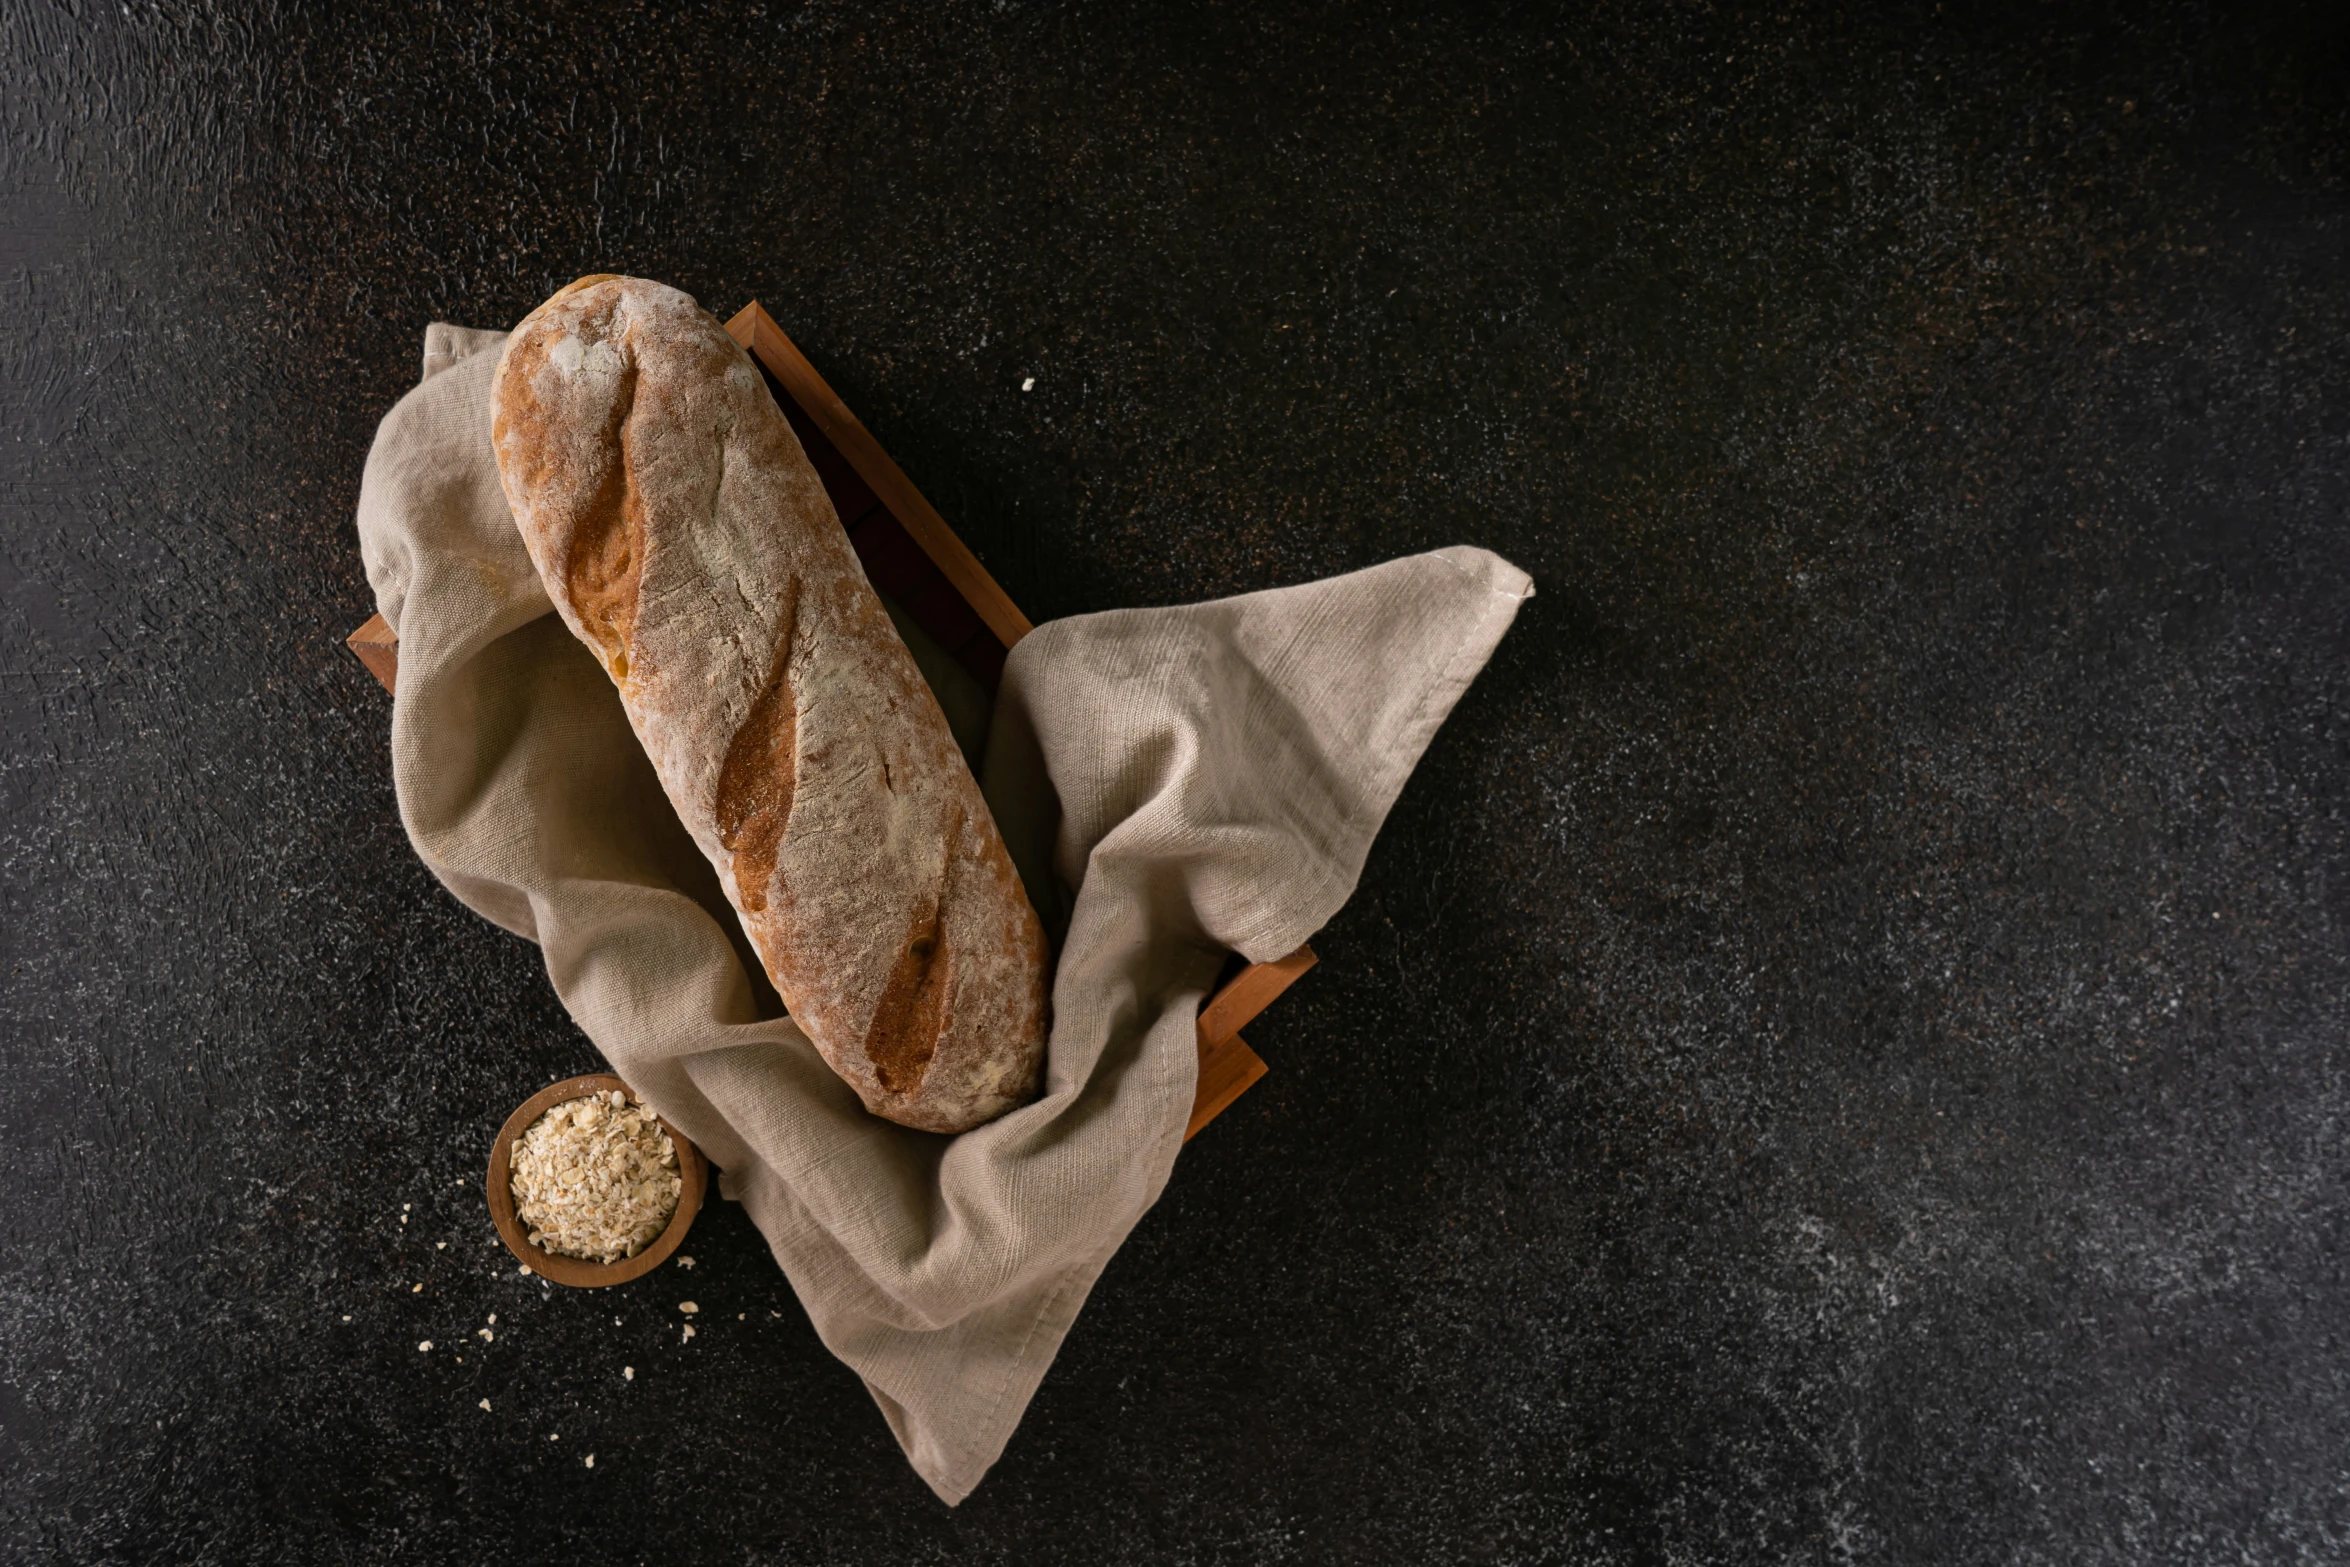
[{"x": 686, "y": 540}]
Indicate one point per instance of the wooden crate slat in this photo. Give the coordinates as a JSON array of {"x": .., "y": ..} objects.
[
  {"x": 1227, "y": 1069},
  {"x": 756, "y": 330},
  {"x": 378, "y": 647},
  {"x": 1252, "y": 990}
]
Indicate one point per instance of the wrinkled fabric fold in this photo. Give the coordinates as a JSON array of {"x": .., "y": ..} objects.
[{"x": 1173, "y": 783}]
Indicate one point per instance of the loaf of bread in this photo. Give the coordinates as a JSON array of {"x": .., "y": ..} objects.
[{"x": 686, "y": 540}]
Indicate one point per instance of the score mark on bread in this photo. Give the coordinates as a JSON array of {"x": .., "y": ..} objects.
[{"x": 755, "y": 785}]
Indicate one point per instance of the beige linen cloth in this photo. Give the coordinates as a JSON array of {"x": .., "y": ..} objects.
[{"x": 1174, "y": 782}]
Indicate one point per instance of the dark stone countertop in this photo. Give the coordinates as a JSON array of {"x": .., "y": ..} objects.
[{"x": 1839, "y": 1055}]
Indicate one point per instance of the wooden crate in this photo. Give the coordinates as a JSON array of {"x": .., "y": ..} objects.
[{"x": 911, "y": 554}]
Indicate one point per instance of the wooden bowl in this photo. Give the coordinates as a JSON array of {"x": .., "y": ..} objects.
[{"x": 692, "y": 1170}]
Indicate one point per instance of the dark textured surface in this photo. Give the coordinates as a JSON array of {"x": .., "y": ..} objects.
[{"x": 1839, "y": 1055}]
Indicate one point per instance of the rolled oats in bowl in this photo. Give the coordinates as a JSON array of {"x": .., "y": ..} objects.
[{"x": 595, "y": 1178}]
